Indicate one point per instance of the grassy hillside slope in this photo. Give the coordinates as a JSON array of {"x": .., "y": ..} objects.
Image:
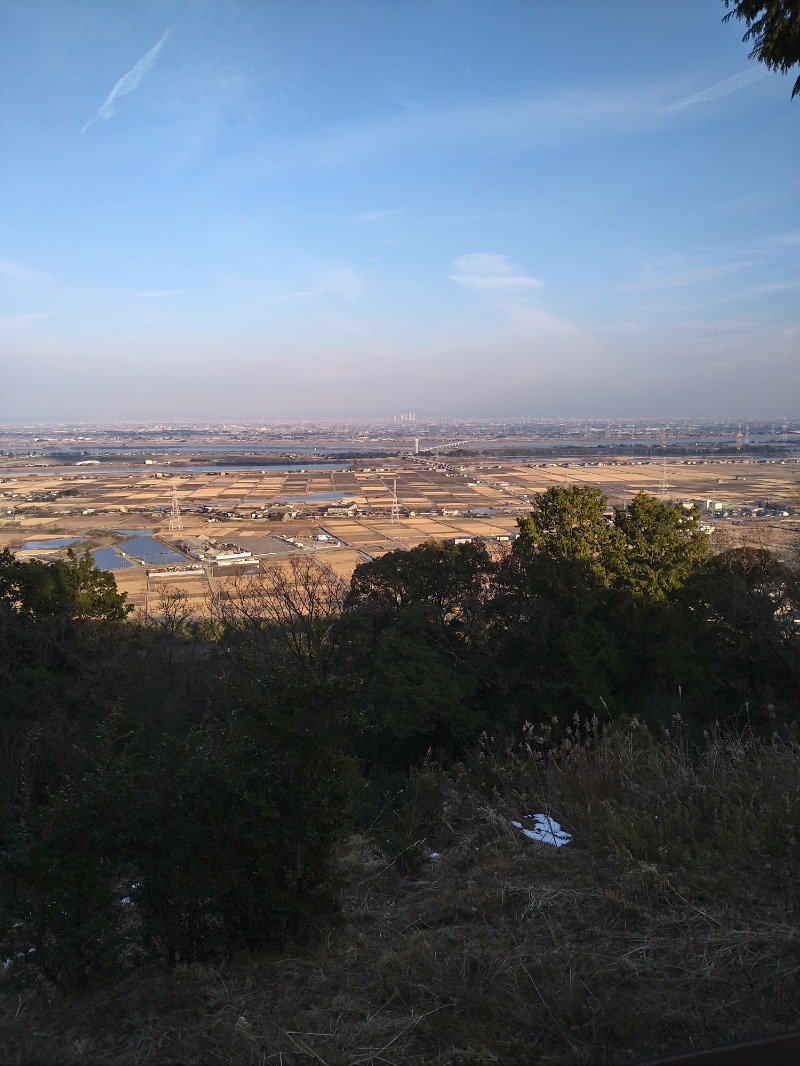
[{"x": 669, "y": 921}]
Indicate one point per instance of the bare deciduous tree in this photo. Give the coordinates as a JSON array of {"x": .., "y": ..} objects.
[{"x": 285, "y": 611}]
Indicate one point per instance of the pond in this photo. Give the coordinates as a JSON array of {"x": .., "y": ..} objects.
[
  {"x": 108, "y": 559},
  {"x": 52, "y": 542},
  {"x": 149, "y": 550}
]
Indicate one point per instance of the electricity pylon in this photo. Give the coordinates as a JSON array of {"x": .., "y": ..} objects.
[{"x": 175, "y": 521}]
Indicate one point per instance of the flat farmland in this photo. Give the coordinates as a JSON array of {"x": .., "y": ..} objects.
[
  {"x": 419, "y": 486},
  {"x": 731, "y": 481},
  {"x": 425, "y": 489},
  {"x": 36, "y": 488},
  {"x": 433, "y": 501},
  {"x": 146, "y": 490},
  {"x": 134, "y": 583},
  {"x": 376, "y": 535}
]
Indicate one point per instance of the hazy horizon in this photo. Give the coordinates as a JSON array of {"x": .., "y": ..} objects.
[{"x": 252, "y": 211}]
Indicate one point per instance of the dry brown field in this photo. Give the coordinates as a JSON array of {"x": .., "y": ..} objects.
[
  {"x": 731, "y": 481},
  {"x": 419, "y": 485},
  {"x": 434, "y": 503}
]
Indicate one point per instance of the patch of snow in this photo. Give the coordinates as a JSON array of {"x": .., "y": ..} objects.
[{"x": 545, "y": 830}]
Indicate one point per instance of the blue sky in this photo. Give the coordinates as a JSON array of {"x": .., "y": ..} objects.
[{"x": 254, "y": 209}]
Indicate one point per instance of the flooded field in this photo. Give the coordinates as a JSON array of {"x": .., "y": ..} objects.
[
  {"x": 108, "y": 559},
  {"x": 51, "y": 542},
  {"x": 150, "y": 551}
]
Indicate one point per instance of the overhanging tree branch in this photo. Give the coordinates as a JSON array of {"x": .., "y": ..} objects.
[{"x": 774, "y": 29}]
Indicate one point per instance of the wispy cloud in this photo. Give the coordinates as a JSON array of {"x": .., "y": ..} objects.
[
  {"x": 766, "y": 289},
  {"x": 491, "y": 273},
  {"x": 515, "y": 124},
  {"x": 22, "y": 321},
  {"x": 14, "y": 273},
  {"x": 376, "y": 216},
  {"x": 336, "y": 281},
  {"x": 127, "y": 83},
  {"x": 511, "y": 124},
  {"x": 693, "y": 276},
  {"x": 720, "y": 89}
]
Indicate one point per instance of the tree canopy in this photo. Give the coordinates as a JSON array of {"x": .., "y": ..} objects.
[
  {"x": 439, "y": 574},
  {"x": 649, "y": 548},
  {"x": 773, "y": 26},
  {"x": 565, "y": 541},
  {"x": 663, "y": 544},
  {"x": 72, "y": 587}
]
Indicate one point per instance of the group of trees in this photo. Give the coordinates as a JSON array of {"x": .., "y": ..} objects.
[
  {"x": 591, "y": 612},
  {"x": 70, "y": 588},
  {"x": 201, "y": 769}
]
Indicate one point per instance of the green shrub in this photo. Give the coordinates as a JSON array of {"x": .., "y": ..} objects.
[
  {"x": 238, "y": 827},
  {"x": 63, "y": 877},
  {"x": 220, "y": 841}
]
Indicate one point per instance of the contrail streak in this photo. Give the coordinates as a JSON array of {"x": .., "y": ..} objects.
[
  {"x": 722, "y": 88},
  {"x": 127, "y": 83}
]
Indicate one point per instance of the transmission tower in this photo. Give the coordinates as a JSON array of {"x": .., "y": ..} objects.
[
  {"x": 395, "y": 509},
  {"x": 175, "y": 521}
]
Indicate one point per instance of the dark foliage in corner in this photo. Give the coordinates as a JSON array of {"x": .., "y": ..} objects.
[
  {"x": 773, "y": 26},
  {"x": 187, "y": 851}
]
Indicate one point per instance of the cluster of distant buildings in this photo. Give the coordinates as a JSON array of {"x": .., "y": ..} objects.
[{"x": 720, "y": 509}]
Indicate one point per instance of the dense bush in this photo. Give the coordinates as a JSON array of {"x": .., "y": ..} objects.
[{"x": 186, "y": 850}]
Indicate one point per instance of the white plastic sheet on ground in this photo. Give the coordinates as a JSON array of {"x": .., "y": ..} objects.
[{"x": 545, "y": 830}]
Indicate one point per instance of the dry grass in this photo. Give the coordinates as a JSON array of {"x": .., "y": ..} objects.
[{"x": 670, "y": 921}]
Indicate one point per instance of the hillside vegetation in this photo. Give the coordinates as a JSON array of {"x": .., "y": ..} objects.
[{"x": 285, "y": 832}]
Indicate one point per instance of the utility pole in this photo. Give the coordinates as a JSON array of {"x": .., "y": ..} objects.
[
  {"x": 208, "y": 570},
  {"x": 663, "y": 489}
]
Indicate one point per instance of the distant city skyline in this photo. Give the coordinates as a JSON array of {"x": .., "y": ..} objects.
[{"x": 252, "y": 210}]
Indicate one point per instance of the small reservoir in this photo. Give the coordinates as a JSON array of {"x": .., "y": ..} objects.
[
  {"x": 149, "y": 550},
  {"x": 52, "y": 542},
  {"x": 136, "y": 551},
  {"x": 108, "y": 559}
]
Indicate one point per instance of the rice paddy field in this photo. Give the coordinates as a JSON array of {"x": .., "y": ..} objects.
[{"x": 44, "y": 506}]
